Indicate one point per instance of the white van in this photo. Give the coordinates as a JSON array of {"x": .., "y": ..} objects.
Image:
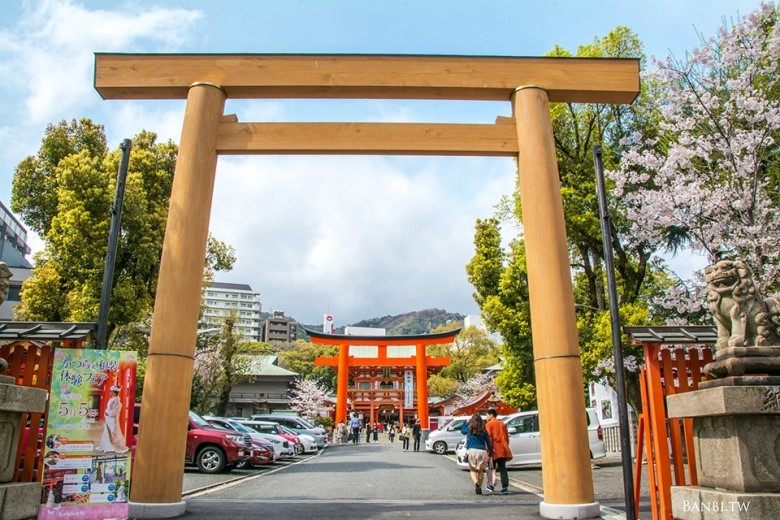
[{"x": 525, "y": 441}]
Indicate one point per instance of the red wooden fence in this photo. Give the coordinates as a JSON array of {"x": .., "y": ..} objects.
[{"x": 668, "y": 442}]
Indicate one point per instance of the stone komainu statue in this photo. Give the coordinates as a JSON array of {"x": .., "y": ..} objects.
[{"x": 742, "y": 316}]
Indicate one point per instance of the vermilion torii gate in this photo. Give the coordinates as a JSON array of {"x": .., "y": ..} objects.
[
  {"x": 390, "y": 352},
  {"x": 205, "y": 81}
]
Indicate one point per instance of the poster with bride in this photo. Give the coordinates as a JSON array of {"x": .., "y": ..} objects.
[{"x": 90, "y": 426}]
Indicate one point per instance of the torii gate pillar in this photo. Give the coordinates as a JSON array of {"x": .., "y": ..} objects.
[{"x": 568, "y": 481}]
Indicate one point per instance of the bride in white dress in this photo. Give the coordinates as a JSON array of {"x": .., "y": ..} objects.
[{"x": 112, "y": 438}]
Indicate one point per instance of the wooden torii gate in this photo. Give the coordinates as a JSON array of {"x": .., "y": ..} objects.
[{"x": 207, "y": 80}]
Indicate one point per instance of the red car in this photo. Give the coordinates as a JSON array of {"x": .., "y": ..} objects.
[{"x": 211, "y": 449}]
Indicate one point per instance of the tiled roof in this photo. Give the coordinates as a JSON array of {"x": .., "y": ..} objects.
[
  {"x": 233, "y": 286},
  {"x": 264, "y": 365},
  {"x": 44, "y": 331}
]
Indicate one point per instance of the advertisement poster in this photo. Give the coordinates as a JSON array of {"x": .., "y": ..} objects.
[{"x": 90, "y": 424}]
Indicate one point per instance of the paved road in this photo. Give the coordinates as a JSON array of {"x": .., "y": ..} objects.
[{"x": 376, "y": 481}]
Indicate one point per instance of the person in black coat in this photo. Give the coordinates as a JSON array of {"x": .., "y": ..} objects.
[{"x": 416, "y": 433}]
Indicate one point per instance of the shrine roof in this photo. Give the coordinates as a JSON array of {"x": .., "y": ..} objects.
[{"x": 675, "y": 334}]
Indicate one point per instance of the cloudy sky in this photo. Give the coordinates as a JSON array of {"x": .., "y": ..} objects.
[{"x": 356, "y": 236}]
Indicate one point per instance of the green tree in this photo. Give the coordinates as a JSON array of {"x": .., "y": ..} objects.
[
  {"x": 440, "y": 386},
  {"x": 64, "y": 193},
  {"x": 501, "y": 290},
  {"x": 301, "y": 358},
  {"x": 470, "y": 353},
  {"x": 217, "y": 368}
]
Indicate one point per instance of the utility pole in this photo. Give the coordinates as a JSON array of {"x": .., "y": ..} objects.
[
  {"x": 113, "y": 240},
  {"x": 617, "y": 350}
]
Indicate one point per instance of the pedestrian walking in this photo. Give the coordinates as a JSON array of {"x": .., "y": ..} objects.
[
  {"x": 405, "y": 433},
  {"x": 478, "y": 449},
  {"x": 354, "y": 425},
  {"x": 368, "y": 432},
  {"x": 417, "y": 433},
  {"x": 502, "y": 453},
  {"x": 341, "y": 429},
  {"x": 391, "y": 432},
  {"x": 376, "y": 432}
]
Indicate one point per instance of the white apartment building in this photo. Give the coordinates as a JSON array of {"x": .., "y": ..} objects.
[{"x": 222, "y": 298}]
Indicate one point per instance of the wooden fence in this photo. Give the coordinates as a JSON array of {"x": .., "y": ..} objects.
[
  {"x": 667, "y": 443},
  {"x": 30, "y": 363}
]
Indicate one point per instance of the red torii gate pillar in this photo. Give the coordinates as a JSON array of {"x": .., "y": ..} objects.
[{"x": 421, "y": 372}]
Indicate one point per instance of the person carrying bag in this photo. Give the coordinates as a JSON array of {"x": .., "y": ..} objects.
[{"x": 479, "y": 449}]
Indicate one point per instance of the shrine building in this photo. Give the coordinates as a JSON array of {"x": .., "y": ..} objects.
[{"x": 385, "y": 378}]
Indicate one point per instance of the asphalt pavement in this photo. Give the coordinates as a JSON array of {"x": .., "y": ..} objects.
[{"x": 375, "y": 481}]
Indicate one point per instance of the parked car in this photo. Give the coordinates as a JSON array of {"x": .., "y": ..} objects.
[
  {"x": 263, "y": 451},
  {"x": 296, "y": 424},
  {"x": 283, "y": 445},
  {"x": 525, "y": 440},
  {"x": 447, "y": 437},
  {"x": 209, "y": 448},
  {"x": 307, "y": 442}
]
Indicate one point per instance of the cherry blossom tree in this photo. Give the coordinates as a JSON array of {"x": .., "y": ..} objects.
[
  {"x": 472, "y": 388},
  {"x": 708, "y": 177},
  {"x": 308, "y": 397}
]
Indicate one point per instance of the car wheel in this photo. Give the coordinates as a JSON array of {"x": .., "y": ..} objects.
[
  {"x": 440, "y": 448},
  {"x": 211, "y": 460},
  {"x": 299, "y": 449}
]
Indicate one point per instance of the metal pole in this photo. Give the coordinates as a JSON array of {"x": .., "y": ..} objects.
[
  {"x": 113, "y": 239},
  {"x": 620, "y": 379}
]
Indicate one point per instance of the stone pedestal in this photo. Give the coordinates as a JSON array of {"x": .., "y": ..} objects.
[
  {"x": 17, "y": 500},
  {"x": 737, "y": 445}
]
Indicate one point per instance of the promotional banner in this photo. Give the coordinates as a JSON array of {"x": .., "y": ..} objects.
[
  {"x": 90, "y": 425},
  {"x": 408, "y": 388}
]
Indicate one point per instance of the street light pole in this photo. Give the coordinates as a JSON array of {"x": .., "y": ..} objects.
[{"x": 620, "y": 378}]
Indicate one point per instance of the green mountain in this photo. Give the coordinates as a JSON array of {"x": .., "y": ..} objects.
[{"x": 415, "y": 322}]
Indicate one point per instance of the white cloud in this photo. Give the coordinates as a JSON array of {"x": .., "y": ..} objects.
[
  {"x": 48, "y": 54},
  {"x": 360, "y": 236}
]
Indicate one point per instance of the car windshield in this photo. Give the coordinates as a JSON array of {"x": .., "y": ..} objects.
[
  {"x": 306, "y": 423},
  {"x": 199, "y": 421},
  {"x": 241, "y": 427},
  {"x": 287, "y": 430}
]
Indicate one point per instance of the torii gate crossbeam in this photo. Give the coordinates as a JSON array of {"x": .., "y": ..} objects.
[{"x": 206, "y": 81}]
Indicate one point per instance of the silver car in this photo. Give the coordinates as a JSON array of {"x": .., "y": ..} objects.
[{"x": 447, "y": 437}]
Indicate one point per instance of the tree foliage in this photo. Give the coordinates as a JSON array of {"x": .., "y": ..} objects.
[
  {"x": 65, "y": 193},
  {"x": 217, "y": 368},
  {"x": 708, "y": 175},
  {"x": 301, "y": 358},
  {"x": 470, "y": 353},
  {"x": 308, "y": 397},
  {"x": 501, "y": 289}
]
